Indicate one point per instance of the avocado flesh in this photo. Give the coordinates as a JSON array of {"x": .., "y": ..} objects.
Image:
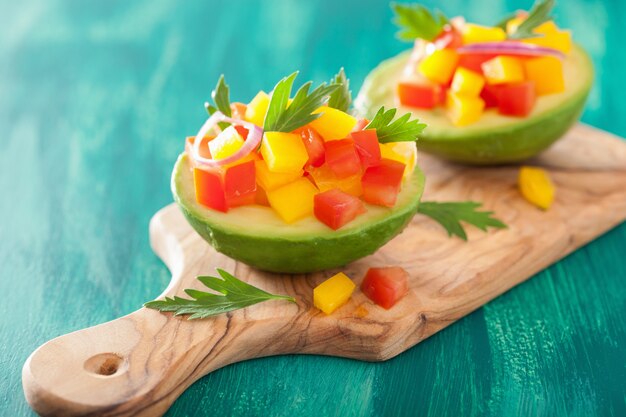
[
  {"x": 494, "y": 139},
  {"x": 256, "y": 235}
]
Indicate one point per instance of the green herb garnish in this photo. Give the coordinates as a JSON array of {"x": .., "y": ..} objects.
[
  {"x": 221, "y": 98},
  {"x": 450, "y": 216},
  {"x": 401, "y": 130},
  {"x": 539, "y": 14},
  {"x": 234, "y": 294},
  {"x": 417, "y": 22},
  {"x": 341, "y": 98},
  {"x": 281, "y": 117}
]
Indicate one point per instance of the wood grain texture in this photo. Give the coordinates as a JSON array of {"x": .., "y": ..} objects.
[
  {"x": 95, "y": 96},
  {"x": 139, "y": 364}
]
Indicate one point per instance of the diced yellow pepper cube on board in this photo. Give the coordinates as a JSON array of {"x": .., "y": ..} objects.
[
  {"x": 333, "y": 293},
  {"x": 476, "y": 33},
  {"x": 333, "y": 124},
  {"x": 467, "y": 82},
  {"x": 226, "y": 143},
  {"x": 404, "y": 152},
  {"x": 561, "y": 40},
  {"x": 536, "y": 186},
  {"x": 269, "y": 180},
  {"x": 547, "y": 73},
  {"x": 293, "y": 201},
  {"x": 257, "y": 108},
  {"x": 439, "y": 66},
  {"x": 464, "y": 110},
  {"x": 503, "y": 70},
  {"x": 325, "y": 179},
  {"x": 283, "y": 152}
]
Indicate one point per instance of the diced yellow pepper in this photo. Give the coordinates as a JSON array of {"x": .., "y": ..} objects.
[
  {"x": 475, "y": 33},
  {"x": 439, "y": 66},
  {"x": 536, "y": 186},
  {"x": 226, "y": 143},
  {"x": 293, "y": 201},
  {"x": 333, "y": 124},
  {"x": 464, "y": 110},
  {"x": 325, "y": 179},
  {"x": 546, "y": 27},
  {"x": 467, "y": 82},
  {"x": 503, "y": 70},
  {"x": 405, "y": 152},
  {"x": 513, "y": 24},
  {"x": 283, "y": 152},
  {"x": 561, "y": 40},
  {"x": 269, "y": 180},
  {"x": 257, "y": 108},
  {"x": 547, "y": 74},
  {"x": 333, "y": 293}
]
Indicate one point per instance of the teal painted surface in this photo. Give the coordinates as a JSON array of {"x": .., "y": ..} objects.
[{"x": 95, "y": 98}]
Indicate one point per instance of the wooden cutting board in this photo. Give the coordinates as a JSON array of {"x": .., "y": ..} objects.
[{"x": 139, "y": 364}]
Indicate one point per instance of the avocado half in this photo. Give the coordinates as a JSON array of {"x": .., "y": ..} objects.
[
  {"x": 256, "y": 236},
  {"x": 494, "y": 139}
]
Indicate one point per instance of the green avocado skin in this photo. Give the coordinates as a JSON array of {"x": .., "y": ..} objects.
[
  {"x": 299, "y": 255},
  {"x": 508, "y": 144},
  {"x": 494, "y": 145}
]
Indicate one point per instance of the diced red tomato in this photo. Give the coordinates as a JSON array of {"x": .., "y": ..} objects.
[
  {"x": 449, "y": 38},
  {"x": 360, "y": 124},
  {"x": 243, "y": 132},
  {"x": 474, "y": 62},
  {"x": 335, "y": 208},
  {"x": 367, "y": 147},
  {"x": 238, "y": 110},
  {"x": 489, "y": 94},
  {"x": 423, "y": 96},
  {"x": 204, "y": 146},
  {"x": 209, "y": 189},
  {"x": 240, "y": 184},
  {"x": 314, "y": 145},
  {"x": 385, "y": 286},
  {"x": 516, "y": 99},
  {"x": 342, "y": 158},
  {"x": 381, "y": 183}
]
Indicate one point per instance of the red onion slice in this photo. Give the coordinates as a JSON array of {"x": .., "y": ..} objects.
[
  {"x": 255, "y": 134},
  {"x": 509, "y": 48}
]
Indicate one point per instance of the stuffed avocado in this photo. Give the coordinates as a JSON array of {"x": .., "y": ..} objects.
[
  {"x": 298, "y": 184},
  {"x": 489, "y": 95}
]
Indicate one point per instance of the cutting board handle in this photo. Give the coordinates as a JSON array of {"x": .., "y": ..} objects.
[{"x": 129, "y": 366}]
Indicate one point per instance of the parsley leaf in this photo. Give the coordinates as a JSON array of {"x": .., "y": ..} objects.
[
  {"x": 341, "y": 98},
  {"x": 234, "y": 294},
  {"x": 282, "y": 117},
  {"x": 539, "y": 14},
  {"x": 401, "y": 130},
  {"x": 221, "y": 98},
  {"x": 417, "y": 22},
  {"x": 450, "y": 215}
]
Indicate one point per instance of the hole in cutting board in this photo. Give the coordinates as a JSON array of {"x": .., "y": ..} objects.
[{"x": 105, "y": 364}]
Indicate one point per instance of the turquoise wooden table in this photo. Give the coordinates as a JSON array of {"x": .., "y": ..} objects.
[{"x": 95, "y": 99}]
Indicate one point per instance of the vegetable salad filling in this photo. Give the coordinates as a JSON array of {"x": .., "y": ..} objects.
[
  {"x": 469, "y": 69},
  {"x": 301, "y": 156}
]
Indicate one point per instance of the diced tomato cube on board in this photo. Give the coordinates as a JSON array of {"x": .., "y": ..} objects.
[
  {"x": 367, "y": 147},
  {"x": 342, "y": 158},
  {"x": 381, "y": 183},
  {"x": 516, "y": 99},
  {"x": 314, "y": 145},
  {"x": 474, "y": 62},
  {"x": 335, "y": 208},
  {"x": 489, "y": 95},
  {"x": 422, "y": 96},
  {"x": 385, "y": 286}
]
